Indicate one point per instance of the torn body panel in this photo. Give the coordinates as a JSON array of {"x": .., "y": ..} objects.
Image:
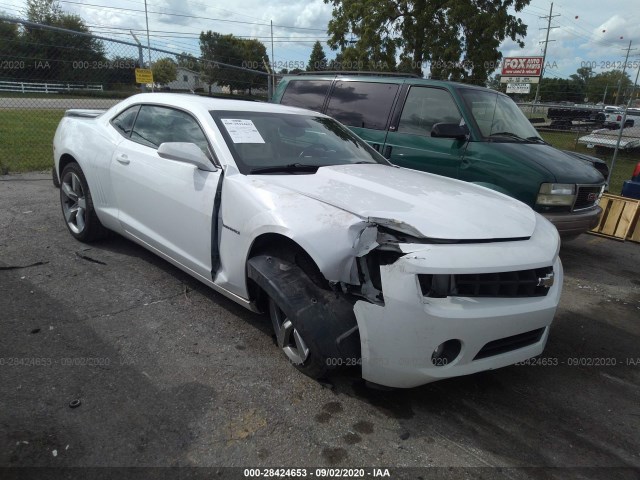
[{"x": 400, "y": 337}]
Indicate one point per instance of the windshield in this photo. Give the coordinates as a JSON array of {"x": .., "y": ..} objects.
[
  {"x": 264, "y": 142},
  {"x": 497, "y": 116}
]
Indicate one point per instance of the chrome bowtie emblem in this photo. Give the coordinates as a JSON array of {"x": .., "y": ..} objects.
[{"x": 546, "y": 281}]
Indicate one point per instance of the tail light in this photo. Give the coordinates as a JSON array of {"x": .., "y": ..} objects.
[
  {"x": 619, "y": 118},
  {"x": 636, "y": 173}
]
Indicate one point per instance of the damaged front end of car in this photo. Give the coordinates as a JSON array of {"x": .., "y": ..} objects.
[{"x": 414, "y": 309}]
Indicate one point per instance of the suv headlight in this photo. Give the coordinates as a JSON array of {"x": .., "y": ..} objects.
[{"x": 556, "y": 194}]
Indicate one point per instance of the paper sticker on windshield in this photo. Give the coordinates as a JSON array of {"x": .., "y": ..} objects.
[{"x": 242, "y": 131}]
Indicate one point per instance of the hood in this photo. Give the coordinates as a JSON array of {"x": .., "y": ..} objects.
[
  {"x": 564, "y": 167},
  {"x": 416, "y": 203},
  {"x": 600, "y": 165}
]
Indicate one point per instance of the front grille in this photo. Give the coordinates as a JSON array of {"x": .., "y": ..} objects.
[
  {"x": 521, "y": 283},
  {"x": 583, "y": 199},
  {"x": 509, "y": 344}
]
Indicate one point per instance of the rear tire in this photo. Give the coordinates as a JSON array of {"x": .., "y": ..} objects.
[
  {"x": 77, "y": 206},
  {"x": 54, "y": 177}
]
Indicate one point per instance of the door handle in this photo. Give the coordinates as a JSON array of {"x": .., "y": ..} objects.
[
  {"x": 123, "y": 159},
  {"x": 387, "y": 152},
  {"x": 376, "y": 146}
]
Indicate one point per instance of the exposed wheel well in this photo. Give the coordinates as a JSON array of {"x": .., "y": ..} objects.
[
  {"x": 65, "y": 160},
  {"x": 283, "y": 247}
]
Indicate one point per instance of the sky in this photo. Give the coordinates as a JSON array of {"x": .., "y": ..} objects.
[{"x": 589, "y": 32}]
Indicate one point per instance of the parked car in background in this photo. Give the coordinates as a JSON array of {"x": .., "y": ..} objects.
[
  {"x": 412, "y": 276},
  {"x": 613, "y": 119},
  {"x": 459, "y": 131}
]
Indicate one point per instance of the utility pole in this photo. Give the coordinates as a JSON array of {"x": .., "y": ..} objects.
[
  {"x": 273, "y": 60},
  {"x": 624, "y": 69},
  {"x": 148, "y": 41},
  {"x": 622, "y": 122},
  {"x": 544, "y": 55},
  {"x": 140, "y": 57}
]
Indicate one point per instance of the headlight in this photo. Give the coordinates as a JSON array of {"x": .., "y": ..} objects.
[{"x": 556, "y": 194}]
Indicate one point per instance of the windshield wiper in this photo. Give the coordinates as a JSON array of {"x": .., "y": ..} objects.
[
  {"x": 509, "y": 135},
  {"x": 292, "y": 167},
  {"x": 536, "y": 139}
]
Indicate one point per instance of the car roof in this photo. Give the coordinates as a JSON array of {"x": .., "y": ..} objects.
[
  {"x": 386, "y": 79},
  {"x": 198, "y": 102}
]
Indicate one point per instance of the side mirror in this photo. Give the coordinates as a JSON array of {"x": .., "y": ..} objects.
[
  {"x": 187, "y": 153},
  {"x": 450, "y": 130}
]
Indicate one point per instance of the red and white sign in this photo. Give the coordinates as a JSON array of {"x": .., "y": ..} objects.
[{"x": 522, "y": 67}]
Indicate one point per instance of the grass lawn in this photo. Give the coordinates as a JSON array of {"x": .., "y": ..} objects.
[
  {"x": 625, "y": 163},
  {"x": 26, "y": 138}
]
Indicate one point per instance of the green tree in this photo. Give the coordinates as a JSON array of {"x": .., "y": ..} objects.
[
  {"x": 188, "y": 61},
  {"x": 582, "y": 76},
  {"x": 58, "y": 56},
  {"x": 606, "y": 83},
  {"x": 248, "y": 54},
  {"x": 11, "y": 50},
  {"x": 122, "y": 74},
  {"x": 494, "y": 83},
  {"x": 164, "y": 70},
  {"x": 318, "y": 59},
  {"x": 560, "y": 90},
  {"x": 255, "y": 54},
  {"x": 458, "y": 39}
]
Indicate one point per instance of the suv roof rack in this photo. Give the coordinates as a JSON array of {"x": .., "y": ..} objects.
[{"x": 360, "y": 72}]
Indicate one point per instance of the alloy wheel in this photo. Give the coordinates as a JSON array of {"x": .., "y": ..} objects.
[
  {"x": 288, "y": 337},
  {"x": 74, "y": 204}
]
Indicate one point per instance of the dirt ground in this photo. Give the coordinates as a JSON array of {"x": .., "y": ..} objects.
[{"x": 169, "y": 373}]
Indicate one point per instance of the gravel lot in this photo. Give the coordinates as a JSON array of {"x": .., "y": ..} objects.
[{"x": 169, "y": 373}]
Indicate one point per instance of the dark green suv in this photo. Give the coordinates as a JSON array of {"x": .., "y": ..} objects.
[{"x": 459, "y": 131}]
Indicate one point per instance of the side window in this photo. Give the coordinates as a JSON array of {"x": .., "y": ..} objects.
[
  {"x": 156, "y": 125},
  {"x": 361, "y": 104},
  {"x": 425, "y": 107},
  {"x": 306, "y": 94},
  {"x": 124, "y": 121}
]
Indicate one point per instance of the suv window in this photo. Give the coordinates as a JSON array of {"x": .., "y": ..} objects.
[
  {"x": 306, "y": 94},
  {"x": 424, "y": 108},
  {"x": 362, "y": 104},
  {"x": 156, "y": 125},
  {"x": 124, "y": 121}
]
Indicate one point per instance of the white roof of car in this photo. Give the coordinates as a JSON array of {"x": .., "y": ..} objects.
[{"x": 197, "y": 102}]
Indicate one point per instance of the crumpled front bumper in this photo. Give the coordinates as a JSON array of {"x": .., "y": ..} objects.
[{"x": 399, "y": 338}]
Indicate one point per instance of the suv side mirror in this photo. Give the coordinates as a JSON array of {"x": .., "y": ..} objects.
[
  {"x": 450, "y": 130},
  {"x": 187, "y": 153}
]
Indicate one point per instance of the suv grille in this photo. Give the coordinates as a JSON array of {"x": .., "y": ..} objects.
[
  {"x": 521, "y": 283},
  {"x": 509, "y": 344},
  {"x": 587, "y": 197}
]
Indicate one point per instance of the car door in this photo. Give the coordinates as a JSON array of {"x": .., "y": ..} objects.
[
  {"x": 409, "y": 142},
  {"x": 166, "y": 204}
]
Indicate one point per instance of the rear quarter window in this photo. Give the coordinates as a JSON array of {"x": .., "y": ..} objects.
[{"x": 308, "y": 94}]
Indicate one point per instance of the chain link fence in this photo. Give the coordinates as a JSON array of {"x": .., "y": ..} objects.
[{"x": 46, "y": 70}]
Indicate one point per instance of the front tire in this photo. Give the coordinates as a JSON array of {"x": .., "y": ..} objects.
[
  {"x": 303, "y": 355},
  {"x": 77, "y": 206}
]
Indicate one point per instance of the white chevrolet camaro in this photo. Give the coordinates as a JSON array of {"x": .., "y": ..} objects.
[{"x": 412, "y": 276}]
